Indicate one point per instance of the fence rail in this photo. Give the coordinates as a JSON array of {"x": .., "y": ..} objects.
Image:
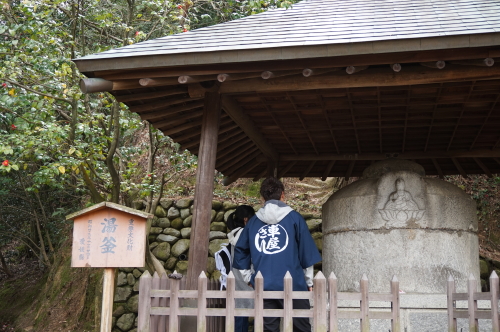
[
  {"x": 161, "y": 304},
  {"x": 472, "y": 313}
]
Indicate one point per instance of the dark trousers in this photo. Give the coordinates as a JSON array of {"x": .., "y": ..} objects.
[
  {"x": 272, "y": 324},
  {"x": 240, "y": 324}
]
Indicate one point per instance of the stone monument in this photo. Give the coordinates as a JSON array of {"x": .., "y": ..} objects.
[{"x": 396, "y": 221}]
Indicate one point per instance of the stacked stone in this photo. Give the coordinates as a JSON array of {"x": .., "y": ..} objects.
[{"x": 169, "y": 241}]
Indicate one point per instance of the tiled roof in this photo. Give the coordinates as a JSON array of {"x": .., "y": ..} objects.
[{"x": 324, "y": 22}]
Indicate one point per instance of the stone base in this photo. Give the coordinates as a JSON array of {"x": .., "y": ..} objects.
[{"x": 419, "y": 313}]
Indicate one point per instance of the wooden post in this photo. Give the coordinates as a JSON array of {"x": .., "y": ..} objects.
[
  {"x": 332, "y": 295},
  {"x": 364, "y": 306},
  {"x": 230, "y": 304},
  {"x": 472, "y": 288},
  {"x": 320, "y": 303},
  {"x": 198, "y": 252},
  {"x": 108, "y": 288},
  {"x": 173, "y": 321},
  {"x": 494, "y": 301},
  {"x": 202, "y": 303},
  {"x": 258, "y": 323},
  {"x": 395, "y": 324},
  {"x": 452, "y": 321},
  {"x": 288, "y": 303},
  {"x": 143, "y": 324},
  {"x": 155, "y": 302},
  {"x": 162, "y": 325}
]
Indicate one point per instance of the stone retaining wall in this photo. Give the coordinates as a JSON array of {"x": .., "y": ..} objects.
[{"x": 169, "y": 242}]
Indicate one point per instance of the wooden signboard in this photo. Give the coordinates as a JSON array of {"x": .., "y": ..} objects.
[{"x": 108, "y": 235}]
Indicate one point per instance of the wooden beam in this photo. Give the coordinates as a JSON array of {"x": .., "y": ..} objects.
[
  {"x": 488, "y": 62},
  {"x": 483, "y": 167},
  {"x": 260, "y": 175},
  {"x": 241, "y": 168},
  {"x": 240, "y": 173},
  {"x": 175, "y": 130},
  {"x": 186, "y": 79},
  {"x": 434, "y": 64},
  {"x": 480, "y": 153},
  {"x": 438, "y": 168},
  {"x": 159, "y": 104},
  {"x": 273, "y": 74},
  {"x": 160, "y": 81},
  {"x": 151, "y": 95},
  {"x": 226, "y": 154},
  {"x": 354, "y": 69},
  {"x": 236, "y": 76},
  {"x": 235, "y": 159},
  {"x": 92, "y": 85},
  {"x": 171, "y": 110},
  {"x": 328, "y": 170},
  {"x": 369, "y": 78},
  {"x": 204, "y": 190},
  {"x": 318, "y": 71},
  {"x": 307, "y": 170},
  {"x": 349, "y": 170},
  {"x": 459, "y": 167},
  {"x": 246, "y": 124},
  {"x": 286, "y": 169}
]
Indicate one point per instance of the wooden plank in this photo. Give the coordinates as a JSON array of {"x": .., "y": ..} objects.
[
  {"x": 472, "y": 304},
  {"x": 155, "y": 302},
  {"x": 258, "y": 323},
  {"x": 186, "y": 126},
  {"x": 164, "y": 302},
  {"x": 108, "y": 289},
  {"x": 287, "y": 303},
  {"x": 162, "y": 104},
  {"x": 395, "y": 306},
  {"x": 332, "y": 296},
  {"x": 320, "y": 300},
  {"x": 230, "y": 304},
  {"x": 246, "y": 124},
  {"x": 173, "y": 325},
  {"x": 368, "y": 78},
  {"x": 452, "y": 321},
  {"x": 201, "y": 321},
  {"x": 171, "y": 110},
  {"x": 204, "y": 189},
  {"x": 143, "y": 321},
  {"x": 438, "y": 154},
  {"x": 150, "y": 95},
  {"x": 364, "y": 304},
  {"x": 494, "y": 289}
]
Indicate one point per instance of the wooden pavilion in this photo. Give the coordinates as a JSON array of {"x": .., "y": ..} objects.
[{"x": 323, "y": 89}]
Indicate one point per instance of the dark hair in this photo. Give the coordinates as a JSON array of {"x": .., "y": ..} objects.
[
  {"x": 271, "y": 188},
  {"x": 236, "y": 219}
]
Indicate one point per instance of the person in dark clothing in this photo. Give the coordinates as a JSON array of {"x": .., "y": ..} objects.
[
  {"x": 277, "y": 240},
  {"x": 224, "y": 261}
]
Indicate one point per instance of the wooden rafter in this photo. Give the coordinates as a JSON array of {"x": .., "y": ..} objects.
[
  {"x": 438, "y": 168},
  {"x": 483, "y": 167},
  {"x": 433, "y": 117},
  {"x": 349, "y": 170},
  {"x": 408, "y": 97},
  {"x": 459, "y": 167},
  {"x": 171, "y": 110},
  {"x": 242, "y": 155},
  {"x": 353, "y": 119},
  {"x": 179, "y": 119},
  {"x": 332, "y": 133},
  {"x": 379, "y": 121},
  {"x": 238, "y": 166},
  {"x": 302, "y": 122},
  {"x": 285, "y": 170},
  {"x": 461, "y": 115},
  {"x": 162, "y": 104},
  {"x": 485, "y": 121},
  {"x": 233, "y": 153},
  {"x": 246, "y": 124},
  {"x": 328, "y": 170},
  {"x": 307, "y": 170},
  {"x": 150, "y": 95}
]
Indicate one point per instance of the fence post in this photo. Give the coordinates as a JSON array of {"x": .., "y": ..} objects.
[
  {"x": 395, "y": 322},
  {"x": 288, "y": 303},
  {"x": 155, "y": 302},
  {"x": 494, "y": 283},
  {"x": 452, "y": 321},
  {"x": 202, "y": 303},
  {"x": 143, "y": 324},
  {"x": 319, "y": 303},
  {"x": 258, "y": 322},
  {"x": 364, "y": 305},
  {"x": 173, "y": 323},
  {"x": 472, "y": 287},
  {"x": 230, "y": 304},
  {"x": 332, "y": 296},
  {"x": 162, "y": 325}
]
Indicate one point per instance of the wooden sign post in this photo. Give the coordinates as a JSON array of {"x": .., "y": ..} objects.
[{"x": 108, "y": 235}]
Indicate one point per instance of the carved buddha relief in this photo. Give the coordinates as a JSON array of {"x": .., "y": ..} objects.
[{"x": 400, "y": 207}]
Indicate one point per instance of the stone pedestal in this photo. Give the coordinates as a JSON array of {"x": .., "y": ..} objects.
[{"x": 395, "y": 221}]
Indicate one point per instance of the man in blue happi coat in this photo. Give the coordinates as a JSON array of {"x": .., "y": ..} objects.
[{"x": 277, "y": 240}]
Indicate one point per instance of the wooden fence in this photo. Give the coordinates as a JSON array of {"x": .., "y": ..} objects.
[
  {"x": 156, "y": 302},
  {"x": 472, "y": 313}
]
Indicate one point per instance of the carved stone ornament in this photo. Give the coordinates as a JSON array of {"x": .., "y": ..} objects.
[{"x": 400, "y": 207}]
